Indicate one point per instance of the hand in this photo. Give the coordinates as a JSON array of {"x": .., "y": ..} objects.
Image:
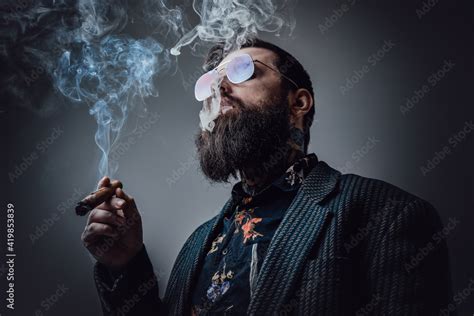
[{"x": 113, "y": 233}]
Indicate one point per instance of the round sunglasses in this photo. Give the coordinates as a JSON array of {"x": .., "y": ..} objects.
[{"x": 237, "y": 70}]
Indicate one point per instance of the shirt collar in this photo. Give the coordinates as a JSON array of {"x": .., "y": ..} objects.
[{"x": 290, "y": 180}]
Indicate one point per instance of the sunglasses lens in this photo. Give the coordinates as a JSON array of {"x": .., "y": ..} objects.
[
  {"x": 240, "y": 68},
  {"x": 202, "y": 89}
]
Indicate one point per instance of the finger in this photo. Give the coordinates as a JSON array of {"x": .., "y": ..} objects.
[
  {"x": 120, "y": 193},
  {"x": 96, "y": 231},
  {"x": 112, "y": 184},
  {"x": 130, "y": 207},
  {"x": 105, "y": 217},
  {"x": 116, "y": 184},
  {"x": 112, "y": 204},
  {"x": 104, "y": 182},
  {"x": 106, "y": 206},
  {"x": 118, "y": 203}
]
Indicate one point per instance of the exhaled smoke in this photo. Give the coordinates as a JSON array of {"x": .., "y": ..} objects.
[
  {"x": 90, "y": 50},
  {"x": 233, "y": 21}
]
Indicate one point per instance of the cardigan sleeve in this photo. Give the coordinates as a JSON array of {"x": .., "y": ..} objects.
[
  {"x": 132, "y": 292},
  {"x": 409, "y": 269}
]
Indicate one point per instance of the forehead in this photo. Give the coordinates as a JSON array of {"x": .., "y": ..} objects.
[{"x": 262, "y": 54}]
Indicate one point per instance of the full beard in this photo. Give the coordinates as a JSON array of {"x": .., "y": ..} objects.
[{"x": 246, "y": 138}]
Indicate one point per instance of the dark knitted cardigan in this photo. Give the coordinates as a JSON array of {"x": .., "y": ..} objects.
[{"x": 347, "y": 245}]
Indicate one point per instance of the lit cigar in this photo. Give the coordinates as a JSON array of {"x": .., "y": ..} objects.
[{"x": 96, "y": 198}]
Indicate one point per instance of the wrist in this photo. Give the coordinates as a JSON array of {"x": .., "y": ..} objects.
[{"x": 119, "y": 268}]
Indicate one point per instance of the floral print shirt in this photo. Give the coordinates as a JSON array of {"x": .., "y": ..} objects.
[{"x": 229, "y": 273}]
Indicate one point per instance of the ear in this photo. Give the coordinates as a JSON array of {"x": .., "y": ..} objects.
[{"x": 300, "y": 102}]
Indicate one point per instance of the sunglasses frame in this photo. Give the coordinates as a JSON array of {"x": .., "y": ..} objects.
[{"x": 223, "y": 66}]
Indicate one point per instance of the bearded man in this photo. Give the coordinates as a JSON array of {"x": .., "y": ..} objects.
[{"x": 295, "y": 236}]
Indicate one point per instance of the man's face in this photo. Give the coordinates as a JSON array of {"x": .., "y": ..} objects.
[
  {"x": 253, "y": 125},
  {"x": 262, "y": 86}
]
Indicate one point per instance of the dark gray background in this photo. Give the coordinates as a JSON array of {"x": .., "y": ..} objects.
[{"x": 171, "y": 210}]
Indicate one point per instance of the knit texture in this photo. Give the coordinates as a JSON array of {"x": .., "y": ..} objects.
[{"x": 346, "y": 245}]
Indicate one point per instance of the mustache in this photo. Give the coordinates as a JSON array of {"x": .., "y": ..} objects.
[{"x": 230, "y": 101}]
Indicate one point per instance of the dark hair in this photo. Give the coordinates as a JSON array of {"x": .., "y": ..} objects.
[{"x": 286, "y": 64}]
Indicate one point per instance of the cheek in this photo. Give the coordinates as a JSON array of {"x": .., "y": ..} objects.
[{"x": 257, "y": 96}]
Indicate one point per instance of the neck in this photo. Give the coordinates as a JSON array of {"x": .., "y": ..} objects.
[{"x": 255, "y": 179}]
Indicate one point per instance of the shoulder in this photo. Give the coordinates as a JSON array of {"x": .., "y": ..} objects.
[
  {"x": 351, "y": 187},
  {"x": 363, "y": 188},
  {"x": 366, "y": 197},
  {"x": 368, "y": 211}
]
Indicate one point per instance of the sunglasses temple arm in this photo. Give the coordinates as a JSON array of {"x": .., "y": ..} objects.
[{"x": 280, "y": 73}]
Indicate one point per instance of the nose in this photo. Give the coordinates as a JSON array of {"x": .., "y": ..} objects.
[{"x": 225, "y": 86}]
